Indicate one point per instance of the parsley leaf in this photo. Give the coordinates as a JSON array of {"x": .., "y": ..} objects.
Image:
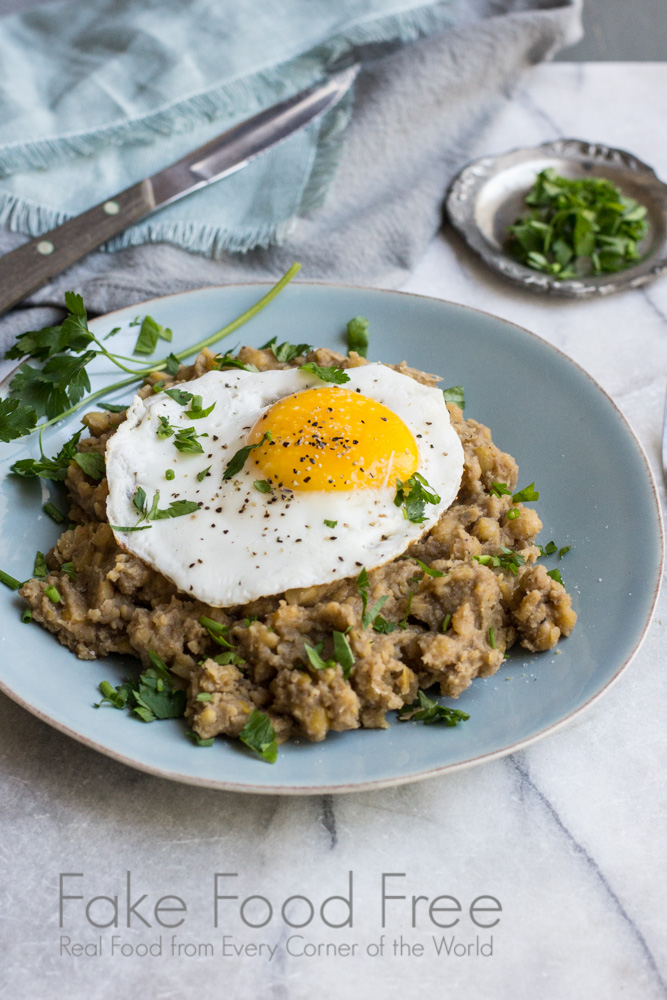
[
  {"x": 186, "y": 441},
  {"x": 68, "y": 569},
  {"x": 500, "y": 490},
  {"x": 381, "y": 625},
  {"x": 363, "y": 587},
  {"x": 61, "y": 383},
  {"x": 165, "y": 429},
  {"x": 180, "y": 396},
  {"x": 150, "y": 332},
  {"x": 172, "y": 365},
  {"x": 228, "y": 361},
  {"x": 196, "y": 412},
  {"x": 237, "y": 461},
  {"x": 526, "y": 495},
  {"x": 357, "y": 336},
  {"x": 40, "y": 568},
  {"x": 555, "y": 575},
  {"x": 314, "y": 658},
  {"x": 198, "y": 742},
  {"x": 177, "y": 508},
  {"x": 259, "y": 735},
  {"x": 505, "y": 559},
  {"x": 72, "y": 335},
  {"x": 217, "y": 631},
  {"x": 201, "y": 476},
  {"x": 548, "y": 549},
  {"x": 286, "y": 352},
  {"x": 333, "y": 374},
  {"x": 429, "y": 570},
  {"x": 92, "y": 463},
  {"x": 15, "y": 419},
  {"x": 456, "y": 395},
  {"x": 429, "y": 711},
  {"x": 262, "y": 486},
  {"x": 342, "y": 653},
  {"x": 413, "y": 495},
  {"x": 49, "y": 468}
]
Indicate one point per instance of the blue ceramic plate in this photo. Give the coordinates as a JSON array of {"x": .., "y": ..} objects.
[{"x": 596, "y": 494}]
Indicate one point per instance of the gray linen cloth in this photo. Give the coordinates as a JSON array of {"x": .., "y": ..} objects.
[{"x": 418, "y": 113}]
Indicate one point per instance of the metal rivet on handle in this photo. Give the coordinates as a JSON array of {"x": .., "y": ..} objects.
[
  {"x": 45, "y": 247},
  {"x": 111, "y": 207}
]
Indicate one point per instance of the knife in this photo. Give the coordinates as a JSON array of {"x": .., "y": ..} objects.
[{"x": 33, "y": 264}]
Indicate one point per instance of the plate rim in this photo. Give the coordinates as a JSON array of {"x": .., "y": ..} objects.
[{"x": 388, "y": 782}]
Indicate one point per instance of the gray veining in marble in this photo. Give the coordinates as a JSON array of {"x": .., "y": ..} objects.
[{"x": 568, "y": 835}]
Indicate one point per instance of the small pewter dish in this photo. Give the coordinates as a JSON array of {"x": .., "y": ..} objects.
[{"x": 488, "y": 196}]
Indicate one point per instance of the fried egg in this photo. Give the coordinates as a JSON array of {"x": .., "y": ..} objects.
[{"x": 310, "y": 500}]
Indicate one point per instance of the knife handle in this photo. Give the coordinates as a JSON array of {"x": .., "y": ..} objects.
[{"x": 33, "y": 264}]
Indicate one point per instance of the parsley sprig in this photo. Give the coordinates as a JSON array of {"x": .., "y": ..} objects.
[
  {"x": 152, "y": 696},
  {"x": 61, "y": 385}
]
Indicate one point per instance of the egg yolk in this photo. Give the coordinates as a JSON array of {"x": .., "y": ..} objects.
[{"x": 331, "y": 438}]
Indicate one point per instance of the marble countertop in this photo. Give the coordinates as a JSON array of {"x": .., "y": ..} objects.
[{"x": 567, "y": 835}]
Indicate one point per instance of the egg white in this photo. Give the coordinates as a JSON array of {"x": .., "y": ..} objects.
[{"x": 242, "y": 544}]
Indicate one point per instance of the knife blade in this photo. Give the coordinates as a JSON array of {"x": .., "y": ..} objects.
[{"x": 33, "y": 264}]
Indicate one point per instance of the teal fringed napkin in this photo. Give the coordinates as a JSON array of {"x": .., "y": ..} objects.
[{"x": 97, "y": 95}]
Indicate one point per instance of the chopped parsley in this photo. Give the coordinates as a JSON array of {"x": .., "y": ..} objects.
[
  {"x": 413, "y": 495},
  {"x": 526, "y": 495},
  {"x": 40, "y": 568},
  {"x": 259, "y": 735},
  {"x": 198, "y": 741},
  {"x": 555, "y": 575},
  {"x": 429, "y": 711},
  {"x": 238, "y": 460},
  {"x": 177, "y": 508},
  {"x": 342, "y": 653},
  {"x": 152, "y": 696},
  {"x": 383, "y": 626},
  {"x": 201, "y": 476},
  {"x": 149, "y": 333},
  {"x": 429, "y": 570},
  {"x": 172, "y": 365},
  {"x": 506, "y": 559},
  {"x": 262, "y": 485},
  {"x": 456, "y": 395},
  {"x": 330, "y": 524},
  {"x": 404, "y": 620},
  {"x": 286, "y": 352},
  {"x": 227, "y": 361},
  {"x": 572, "y": 220},
  {"x": 68, "y": 569},
  {"x": 500, "y": 490},
  {"x": 315, "y": 659},
  {"x": 333, "y": 374},
  {"x": 92, "y": 463},
  {"x": 357, "y": 336},
  {"x": 368, "y": 616},
  {"x": 180, "y": 396},
  {"x": 49, "y": 468},
  {"x": 165, "y": 429},
  {"x": 196, "y": 412},
  {"x": 186, "y": 441},
  {"x": 217, "y": 631}
]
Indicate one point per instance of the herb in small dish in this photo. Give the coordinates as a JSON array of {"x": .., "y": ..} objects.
[{"x": 578, "y": 225}]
